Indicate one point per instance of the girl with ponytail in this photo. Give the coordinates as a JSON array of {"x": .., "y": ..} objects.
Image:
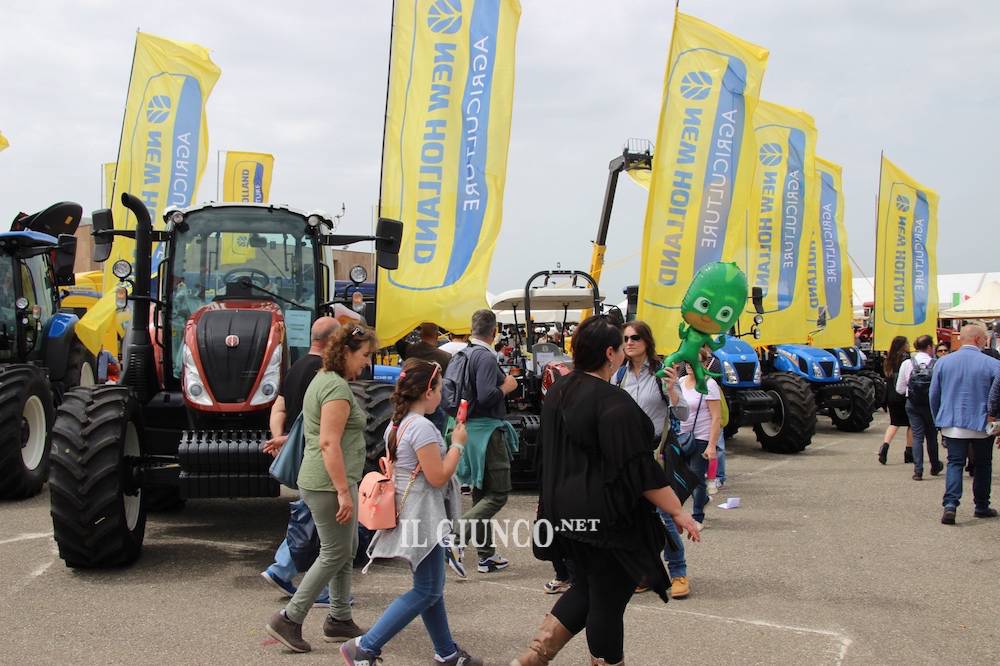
[{"x": 427, "y": 505}]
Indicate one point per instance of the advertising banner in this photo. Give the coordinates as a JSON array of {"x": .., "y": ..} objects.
[
  {"x": 780, "y": 215},
  {"x": 4, "y": 144},
  {"x": 702, "y": 167},
  {"x": 906, "y": 297},
  {"x": 164, "y": 140},
  {"x": 829, "y": 266},
  {"x": 246, "y": 179},
  {"x": 447, "y": 131}
]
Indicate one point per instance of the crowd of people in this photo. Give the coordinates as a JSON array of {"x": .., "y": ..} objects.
[
  {"x": 604, "y": 430},
  {"x": 957, "y": 393}
]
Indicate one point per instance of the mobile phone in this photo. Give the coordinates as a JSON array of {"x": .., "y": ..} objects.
[{"x": 463, "y": 411}]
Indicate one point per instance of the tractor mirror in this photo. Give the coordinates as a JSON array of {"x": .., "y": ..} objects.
[
  {"x": 101, "y": 221},
  {"x": 757, "y": 297},
  {"x": 65, "y": 259},
  {"x": 257, "y": 241},
  {"x": 389, "y": 237}
]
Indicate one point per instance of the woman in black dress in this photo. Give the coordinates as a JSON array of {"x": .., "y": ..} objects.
[
  {"x": 598, "y": 474},
  {"x": 899, "y": 351}
]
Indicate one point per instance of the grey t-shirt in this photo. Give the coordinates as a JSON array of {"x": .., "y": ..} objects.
[{"x": 417, "y": 432}]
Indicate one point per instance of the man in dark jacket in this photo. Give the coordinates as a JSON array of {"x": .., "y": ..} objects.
[{"x": 427, "y": 348}]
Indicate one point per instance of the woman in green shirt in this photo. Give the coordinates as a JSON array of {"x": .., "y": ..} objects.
[{"x": 332, "y": 465}]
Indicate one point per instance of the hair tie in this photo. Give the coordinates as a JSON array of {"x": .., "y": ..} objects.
[{"x": 402, "y": 375}]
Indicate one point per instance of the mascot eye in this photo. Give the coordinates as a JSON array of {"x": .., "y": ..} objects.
[
  {"x": 725, "y": 314},
  {"x": 701, "y": 304}
]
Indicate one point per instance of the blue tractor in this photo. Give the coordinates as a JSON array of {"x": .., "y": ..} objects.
[
  {"x": 853, "y": 361},
  {"x": 40, "y": 355}
]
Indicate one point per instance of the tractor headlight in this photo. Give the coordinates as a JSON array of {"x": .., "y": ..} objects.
[
  {"x": 194, "y": 387},
  {"x": 268, "y": 388},
  {"x": 836, "y": 371},
  {"x": 175, "y": 217},
  {"x": 729, "y": 373},
  {"x": 756, "y": 374},
  {"x": 21, "y": 303},
  {"x": 844, "y": 361},
  {"x": 121, "y": 269},
  {"x": 817, "y": 369},
  {"x": 758, "y": 319}
]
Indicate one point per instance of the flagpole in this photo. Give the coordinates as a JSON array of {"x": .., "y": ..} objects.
[
  {"x": 876, "y": 301},
  {"x": 385, "y": 119},
  {"x": 218, "y": 175},
  {"x": 121, "y": 137}
]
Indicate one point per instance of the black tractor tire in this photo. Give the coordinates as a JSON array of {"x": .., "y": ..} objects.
[
  {"x": 796, "y": 423},
  {"x": 859, "y": 416},
  {"x": 373, "y": 397},
  {"x": 880, "y": 386},
  {"x": 81, "y": 370},
  {"x": 27, "y": 413},
  {"x": 98, "y": 513}
]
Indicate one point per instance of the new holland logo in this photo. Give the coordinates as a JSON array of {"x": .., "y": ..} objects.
[
  {"x": 770, "y": 154},
  {"x": 158, "y": 109},
  {"x": 232, "y": 341},
  {"x": 696, "y": 85},
  {"x": 902, "y": 203},
  {"x": 445, "y": 16}
]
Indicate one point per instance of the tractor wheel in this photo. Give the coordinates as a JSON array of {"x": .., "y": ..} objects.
[
  {"x": 26, "y": 417},
  {"x": 794, "y": 421},
  {"x": 98, "y": 511},
  {"x": 373, "y": 397},
  {"x": 81, "y": 370},
  {"x": 881, "y": 388},
  {"x": 858, "y": 416}
]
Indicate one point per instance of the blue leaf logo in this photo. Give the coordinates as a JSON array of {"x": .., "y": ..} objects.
[
  {"x": 770, "y": 154},
  {"x": 696, "y": 85},
  {"x": 158, "y": 109},
  {"x": 445, "y": 16},
  {"x": 902, "y": 203}
]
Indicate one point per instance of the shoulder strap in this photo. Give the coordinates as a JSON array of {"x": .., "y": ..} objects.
[
  {"x": 697, "y": 413},
  {"x": 620, "y": 375}
]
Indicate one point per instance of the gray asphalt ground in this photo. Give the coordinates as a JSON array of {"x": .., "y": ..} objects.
[{"x": 832, "y": 559}]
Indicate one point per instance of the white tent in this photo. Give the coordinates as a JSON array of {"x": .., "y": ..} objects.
[{"x": 984, "y": 304}]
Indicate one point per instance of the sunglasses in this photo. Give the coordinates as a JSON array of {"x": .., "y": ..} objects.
[
  {"x": 358, "y": 332},
  {"x": 633, "y": 338}
]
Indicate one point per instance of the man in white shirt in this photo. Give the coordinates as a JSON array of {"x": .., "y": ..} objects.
[
  {"x": 455, "y": 344},
  {"x": 918, "y": 407}
]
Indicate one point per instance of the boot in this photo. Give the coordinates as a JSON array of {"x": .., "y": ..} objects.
[
  {"x": 883, "y": 453},
  {"x": 594, "y": 661},
  {"x": 551, "y": 637},
  {"x": 907, "y": 455}
]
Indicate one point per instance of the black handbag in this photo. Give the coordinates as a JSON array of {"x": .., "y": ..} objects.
[{"x": 675, "y": 456}]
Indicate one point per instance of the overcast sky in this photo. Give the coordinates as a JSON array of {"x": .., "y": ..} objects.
[{"x": 306, "y": 82}]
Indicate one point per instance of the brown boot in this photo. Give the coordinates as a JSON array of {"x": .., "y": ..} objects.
[
  {"x": 551, "y": 637},
  {"x": 594, "y": 661},
  {"x": 287, "y": 632}
]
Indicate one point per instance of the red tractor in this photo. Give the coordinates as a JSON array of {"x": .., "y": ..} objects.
[{"x": 237, "y": 288}]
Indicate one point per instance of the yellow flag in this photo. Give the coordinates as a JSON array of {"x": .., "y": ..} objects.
[
  {"x": 702, "y": 166},
  {"x": 829, "y": 266},
  {"x": 247, "y": 179},
  {"x": 109, "y": 183},
  {"x": 447, "y": 131},
  {"x": 906, "y": 296},
  {"x": 4, "y": 144},
  {"x": 164, "y": 136},
  {"x": 780, "y": 215}
]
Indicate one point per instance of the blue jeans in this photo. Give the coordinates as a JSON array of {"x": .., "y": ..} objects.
[
  {"x": 720, "y": 449},
  {"x": 958, "y": 450},
  {"x": 676, "y": 564},
  {"x": 426, "y": 599},
  {"x": 922, "y": 426},
  {"x": 699, "y": 466}
]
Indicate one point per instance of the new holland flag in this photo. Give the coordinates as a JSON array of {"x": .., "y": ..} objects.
[
  {"x": 247, "y": 179},
  {"x": 829, "y": 266},
  {"x": 4, "y": 144},
  {"x": 702, "y": 166},
  {"x": 447, "y": 130},
  {"x": 906, "y": 298},
  {"x": 780, "y": 216},
  {"x": 164, "y": 140}
]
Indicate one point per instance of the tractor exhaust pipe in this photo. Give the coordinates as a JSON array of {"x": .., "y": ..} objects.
[{"x": 139, "y": 373}]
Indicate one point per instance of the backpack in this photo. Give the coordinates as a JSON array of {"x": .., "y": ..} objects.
[
  {"x": 918, "y": 390},
  {"x": 458, "y": 383},
  {"x": 377, "y": 494}
]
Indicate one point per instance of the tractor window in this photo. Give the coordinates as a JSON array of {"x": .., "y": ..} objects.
[
  {"x": 8, "y": 324},
  {"x": 43, "y": 283}
]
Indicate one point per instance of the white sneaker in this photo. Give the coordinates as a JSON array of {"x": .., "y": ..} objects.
[
  {"x": 453, "y": 555},
  {"x": 701, "y": 526},
  {"x": 713, "y": 486}
]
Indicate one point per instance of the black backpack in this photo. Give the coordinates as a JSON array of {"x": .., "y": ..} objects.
[
  {"x": 459, "y": 382},
  {"x": 918, "y": 390}
]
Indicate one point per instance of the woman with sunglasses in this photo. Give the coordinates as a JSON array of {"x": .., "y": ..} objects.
[
  {"x": 942, "y": 350},
  {"x": 427, "y": 497},
  {"x": 332, "y": 464}
]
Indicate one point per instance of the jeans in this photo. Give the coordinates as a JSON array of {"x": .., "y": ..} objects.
[
  {"x": 922, "y": 426},
  {"x": 426, "y": 599},
  {"x": 720, "y": 448},
  {"x": 596, "y": 602},
  {"x": 563, "y": 569},
  {"x": 333, "y": 567},
  {"x": 699, "y": 466},
  {"x": 488, "y": 500},
  {"x": 676, "y": 564},
  {"x": 958, "y": 450}
]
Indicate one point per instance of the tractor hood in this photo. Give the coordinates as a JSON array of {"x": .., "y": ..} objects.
[
  {"x": 232, "y": 358},
  {"x": 740, "y": 365}
]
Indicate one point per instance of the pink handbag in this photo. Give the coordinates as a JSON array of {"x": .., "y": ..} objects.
[{"x": 377, "y": 495}]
